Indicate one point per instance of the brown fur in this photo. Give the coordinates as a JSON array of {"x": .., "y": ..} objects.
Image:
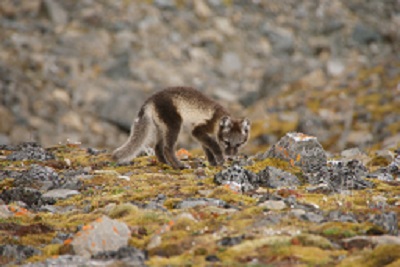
[{"x": 163, "y": 115}]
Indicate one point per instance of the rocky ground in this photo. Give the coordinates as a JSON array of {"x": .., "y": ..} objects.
[
  {"x": 79, "y": 70},
  {"x": 290, "y": 206},
  {"x": 317, "y": 185}
]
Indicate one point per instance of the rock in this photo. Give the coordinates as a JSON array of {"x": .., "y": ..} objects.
[
  {"x": 340, "y": 216},
  {"x": 230, "y": 241},
  {"x": 312, "y": 217},
  {"x": 391, "y": 141},
  {"x": 16, "y": 254},
  {"x": 56, "y": 194},
  {"x": 5, "y": 212},
  {"x": 41, "y": 177},
  {"x": 102, "y": 235},
  {"x": 276, "y": 178},
  {"x": 237, "y": 178},
  {"x": 194, "y": 202},
  {"x": 282, "y": 40},
  {"x": 27, "y": 195},
  {"x": 30, "y": 151},
  {"x": 231, "y": 64},
  {"x": 201, "y": 9},
  {"x": 212, "y": 258},
  {"x": 352, "y": 153},
  {"x": 55, "y": 11},
  {"x": 72, "y": 121},
  {"x": 111, "y": 103},
  {"x": 363, "y": 34},
  {"x": 165, "y": 3},
  {"x": 7, "y": 120},
  {"x": 129, "y": 255},
  {"x": 315, "y": 79},
  {"x": 71, "y": 261},
  {"x": 273, "y": 205},
  {"x": 335, "y": 67},
  {"x": 341, "y": 176},
  {"x": 360, "y": 138},
  {"x": 298, "y": 212},
  {"x": 224, "y": 26},
  {"x": 300, "y": 150},
  {"x": 388, "y": 221}
]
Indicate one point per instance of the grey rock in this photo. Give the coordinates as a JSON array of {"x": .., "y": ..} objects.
[
  {"x": 315, "y": 125},
  {"x": 38, "y": 176},
  {"x": 103, "y": 235},
  {"x": 130, "y": 255},
  {"x": 55, "y": 11},
  {"x": 273, "y": 205},
  {"x": 341, "y": 176},
  {"x": 365, "y": 35},
  {"x": 165, "y": 3},
  {"x": 117, "y": 108},
  {"x": 5, "y": 212},
  {"x": 15, "y": 254},
  {"x": 194, "y": 202},
  {"x": 352, "y": 153},
  {"x": 237, "y": 178},
  {"x": 231, "y": 63},
  {"x": 388, "y": 221},
  {"x": 340, "y": 216},
  {"x": 30, "y": 151},
  {"x": 29, "y": 196},
  {"x": 67, "y": 260},
  {"x": 282, "y": 40},
  {"x": 312, "y": 217},
  {"x": 277, "y": 178},
  {"x": 59, "y": 194},
  {"x": 230, "y": 241},
  {"x": 302, "y": 150}
]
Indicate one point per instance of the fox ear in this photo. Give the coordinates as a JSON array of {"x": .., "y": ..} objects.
[
  {"x": 245, "y": 125},
  {"x": 225, "y": 123}
]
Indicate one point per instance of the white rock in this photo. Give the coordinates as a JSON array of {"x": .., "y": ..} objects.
[
  {"x": 335, "y": 67},
  {"x": 101, "y": 235},
  {"x": 273, "y": 205}
]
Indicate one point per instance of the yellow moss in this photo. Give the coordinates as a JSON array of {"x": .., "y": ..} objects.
[
  {"x": 185, "y": 224},
  {"x": 250, "y": 246},
  {"x": 394, "y": 264},
  {"x": 309, "y": 255},
  {"x": 230, "y": 196},
  {"x": 6, "y": 183},
  {"x": 123, "y": 210},
  {"x": 382, "y": 255},
  {"x": 274, "y": 162},
  {"x": 171, "y": 202},
  {"x": 140, "y": 243},
  {"x": 184, "y": 259},
  {"x": 314, "y": 241},
  {"x": 37, "y": 239},
  {"x": 52, "y": 249}
]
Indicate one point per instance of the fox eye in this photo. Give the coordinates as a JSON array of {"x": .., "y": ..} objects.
[{"x": 227, "y": 143}]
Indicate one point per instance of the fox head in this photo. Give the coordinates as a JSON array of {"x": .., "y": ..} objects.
[{"x": 233, "y": 134}]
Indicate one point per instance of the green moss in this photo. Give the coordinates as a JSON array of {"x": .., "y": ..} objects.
[{"x": 338, "y": 230}]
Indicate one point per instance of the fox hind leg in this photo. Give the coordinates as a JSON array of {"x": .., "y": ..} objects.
[{"x": 159, "y": 148}]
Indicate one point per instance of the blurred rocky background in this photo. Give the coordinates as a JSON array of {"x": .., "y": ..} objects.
[{"x": 79, "y": 70}]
